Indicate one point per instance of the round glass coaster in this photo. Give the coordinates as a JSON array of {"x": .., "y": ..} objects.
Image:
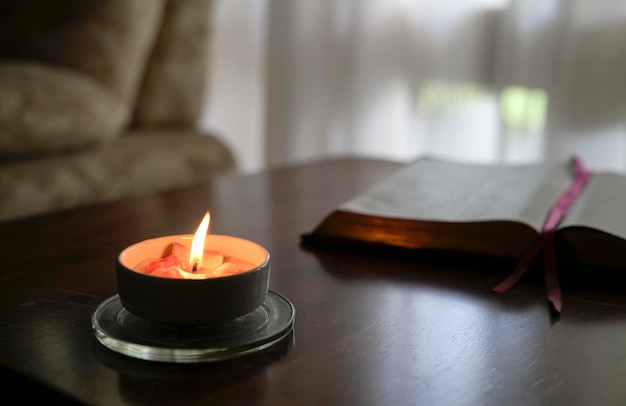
[{"x": 125, "y": 333}]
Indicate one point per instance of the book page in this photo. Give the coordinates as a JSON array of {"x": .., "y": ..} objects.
[
  {"x": 601, "y": 205},
  {"x": 435, "y": 190}
]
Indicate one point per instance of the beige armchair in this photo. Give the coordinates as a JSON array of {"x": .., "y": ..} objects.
[{"x": 99, "y": 100}]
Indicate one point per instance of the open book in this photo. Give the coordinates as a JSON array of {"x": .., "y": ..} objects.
[{"x": 494, "y": 210}]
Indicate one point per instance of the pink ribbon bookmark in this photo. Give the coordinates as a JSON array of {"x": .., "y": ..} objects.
[{"x": 546, "y": 240}]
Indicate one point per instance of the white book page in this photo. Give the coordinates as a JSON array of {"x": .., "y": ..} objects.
[
  {"x": 601, "y": 205},
  {"x": 457, "y": 192}
]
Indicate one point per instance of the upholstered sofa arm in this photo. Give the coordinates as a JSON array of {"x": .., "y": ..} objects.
[{"x": 133, "y": 165}]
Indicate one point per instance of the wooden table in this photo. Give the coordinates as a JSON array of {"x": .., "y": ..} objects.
[{"x": 370, "y": 329}]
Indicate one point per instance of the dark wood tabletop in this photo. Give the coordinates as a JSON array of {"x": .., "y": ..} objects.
[{"x": 371, "y": 328}]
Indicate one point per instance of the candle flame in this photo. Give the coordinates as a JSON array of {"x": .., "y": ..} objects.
[{"x": 197, "y": 244}]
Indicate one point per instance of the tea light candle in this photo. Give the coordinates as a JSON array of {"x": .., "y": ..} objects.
[{"x": 177, "y": 294}]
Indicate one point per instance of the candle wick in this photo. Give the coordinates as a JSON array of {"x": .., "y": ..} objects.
[{"x": 195, "y": 267}]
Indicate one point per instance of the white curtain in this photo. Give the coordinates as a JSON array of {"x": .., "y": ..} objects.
[{"x": 475, "y": 80}]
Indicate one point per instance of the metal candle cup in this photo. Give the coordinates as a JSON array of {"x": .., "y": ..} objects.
[{"x": 193, "y": 301}]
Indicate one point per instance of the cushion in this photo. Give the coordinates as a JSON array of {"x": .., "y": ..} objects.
[
  {"x": 48, "y": 109},
  {"x": 108, "y": 40},
  {"x": 175, "y": 83}
]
